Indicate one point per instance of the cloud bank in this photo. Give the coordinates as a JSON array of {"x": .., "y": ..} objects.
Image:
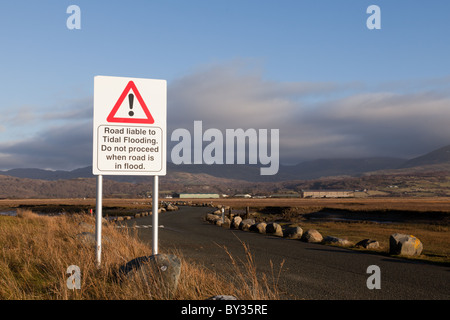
[{"x": 315, "y": 119}]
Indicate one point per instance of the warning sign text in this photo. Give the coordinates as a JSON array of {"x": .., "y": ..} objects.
[{"x": 129, "y": 149}]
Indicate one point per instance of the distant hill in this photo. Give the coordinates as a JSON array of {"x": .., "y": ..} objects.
[
  {"x": 339, "y": 167},
  {"x": 427, "y": 175},
  {"x": 303, "y": 171},
  {"x": 438, "y": 156},
  {"x": 309, "y": 170},
  {"x": 41, "y": 174}
]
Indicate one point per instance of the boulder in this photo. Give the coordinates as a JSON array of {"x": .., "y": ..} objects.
[
  {"x": 403, "y": 244},
  {"x": 246, "y": 224},
  {"x": 212, "y": 218},
  {"x": 368, "y": 244},
  {"x": 312, "y": 236},
  {"x": 171, "y": 207},
  {"x": 161, "y": 270},
  {"x": 274, "y": 229},
  {"x": 226, "y": 223},
  {"x": 337, "y": 241},
  {"x": 236, "y": 222},
  {"x": 259, "y": 227},
  {"x": 293, "y": 233}
]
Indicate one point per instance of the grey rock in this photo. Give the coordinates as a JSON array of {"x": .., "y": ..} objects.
[
  {"x": 212, "y": 217},
  {"x": 171, "y": 207},
  {"x": 236, "y": 222},
  {"x": 293, "y": 233},
  {"x": 259, "y": 227},
  {"x": 274, "y": 229},
  {"x": 226, "y": 223},
  {"x": 337, "y": 241},
  {"x": 246, "y": 224},
  {"x": 368, "y": 244},
  {"x": 403, "y": 244},
  {"x": 312, "y": 236},
  {"x": 162, "y": 270}
]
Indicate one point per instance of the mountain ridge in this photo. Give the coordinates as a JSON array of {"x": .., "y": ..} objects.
[{"x": 308, "y": 170}]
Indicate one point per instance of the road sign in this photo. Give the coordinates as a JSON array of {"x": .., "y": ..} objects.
[
  {"x": 129, "y": 126},
  {"x": 129, "y": 107}
]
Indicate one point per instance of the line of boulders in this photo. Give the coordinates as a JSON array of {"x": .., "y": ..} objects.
[
  {"x": 165, "y": 206},
  {"x": 399, "y": 244}
]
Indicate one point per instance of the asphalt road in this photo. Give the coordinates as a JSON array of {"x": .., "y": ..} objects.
[{"x": 310, "y": 271}]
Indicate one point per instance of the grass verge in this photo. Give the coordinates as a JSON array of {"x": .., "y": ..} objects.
[{"x": 37, "y": 250}]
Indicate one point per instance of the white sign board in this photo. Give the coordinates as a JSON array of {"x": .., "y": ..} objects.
[{"x": 129, "y": 126}]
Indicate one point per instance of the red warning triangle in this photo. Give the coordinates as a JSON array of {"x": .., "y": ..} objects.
[{"x": 112, "y": 115}]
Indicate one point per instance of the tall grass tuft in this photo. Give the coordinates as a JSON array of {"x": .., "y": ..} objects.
[
  {"x": 253, "y": 285},
  {"x": 35, "y": 252}
]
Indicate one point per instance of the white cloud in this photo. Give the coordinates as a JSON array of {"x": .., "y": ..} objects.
[{"x": 316, "y": 120}]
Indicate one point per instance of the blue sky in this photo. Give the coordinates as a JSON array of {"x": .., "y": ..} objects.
[{"x": 312, "y": 69}]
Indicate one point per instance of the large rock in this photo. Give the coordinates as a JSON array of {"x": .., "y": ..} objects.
[
  {"x": 212, "y": 218},
  {"x": 246, "y": 224},
  {"x": 368, "y": 244},
  {"x": 274, "y": 229},
  {"x": 337, "y": 241},
  {"x": 259, "y": 227},
  {"x": 226, "y": 223},
  {"x": 312, "y": 236},
  {"x": 171, "y": 207},
  {"x": 161, "y": 270},
  {"x": 403, "y": 244},
  {"x": 293, "y": 233},
  {"x": 236, "y": 222}
]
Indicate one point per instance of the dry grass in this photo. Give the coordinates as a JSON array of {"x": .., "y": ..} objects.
[
  {"x": 253, "y": 287},
  {"x": 37, "y": 250},
  {"x": 431, "y": 204}
]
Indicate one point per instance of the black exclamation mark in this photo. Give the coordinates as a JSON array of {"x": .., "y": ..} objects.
[{"x": 130, "y": 100}]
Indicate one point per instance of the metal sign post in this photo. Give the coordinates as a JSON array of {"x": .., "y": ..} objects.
[
  {"x": 223, "y": 215},
  {"x": 98, "y": 219},
  {"x": 155, "y": 223}
]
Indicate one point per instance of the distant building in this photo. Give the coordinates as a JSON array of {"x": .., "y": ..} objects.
[
  {"x": 285, "y": 195},
  {"x": 327, "y": 193},
  {"x": 242, "y": 195},
  {"x": 199, "y": 196}
]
